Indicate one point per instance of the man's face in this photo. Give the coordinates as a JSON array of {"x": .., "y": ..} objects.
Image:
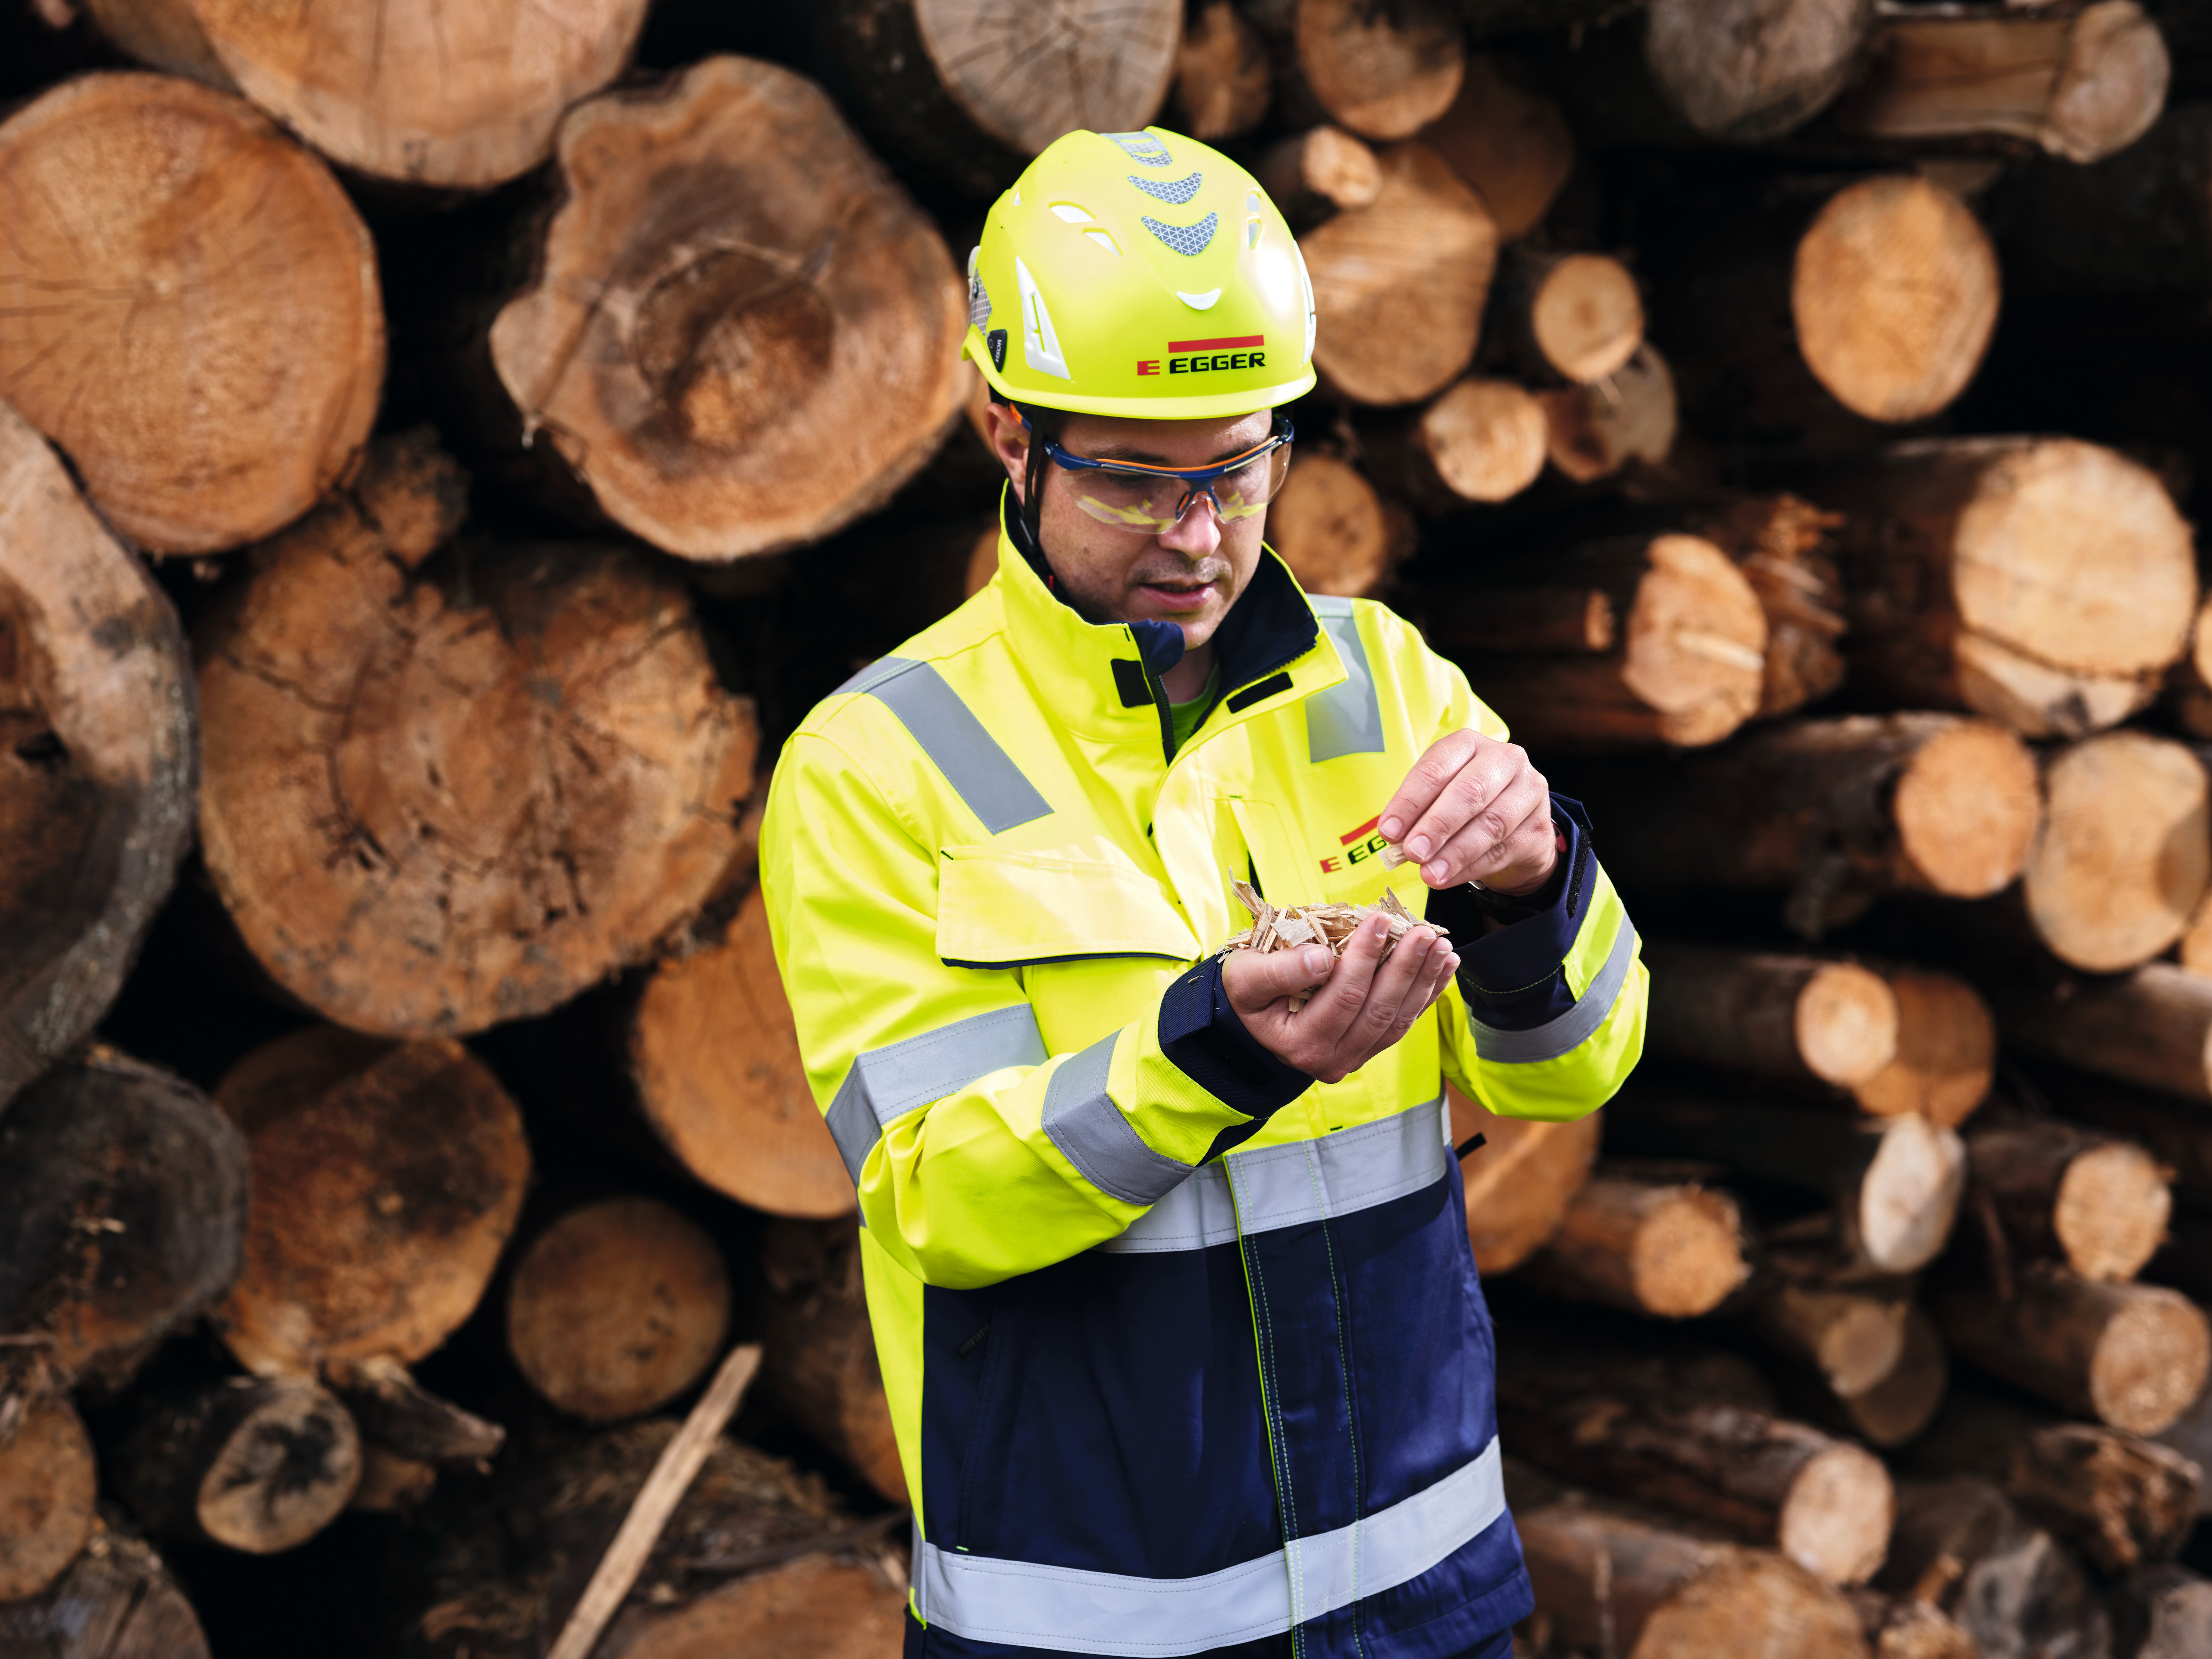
[{"x": 1190, "y": 574}]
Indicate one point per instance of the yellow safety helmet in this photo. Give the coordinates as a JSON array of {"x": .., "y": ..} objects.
[{"x": 1139, "y": 273}]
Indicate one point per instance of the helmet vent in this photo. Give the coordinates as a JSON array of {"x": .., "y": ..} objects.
[
  {"x": 1189, "y": 240},
  {"x": 1071, "y": 213},
  {"x": 1174, "y": 194},
  {"x": 1140, "y": 147},
  {"x": 1251, "y": 233},
  {"x": 1105, "y": 240}
]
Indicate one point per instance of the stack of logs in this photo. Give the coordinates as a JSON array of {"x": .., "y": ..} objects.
[{"x": 439, "y": 452}]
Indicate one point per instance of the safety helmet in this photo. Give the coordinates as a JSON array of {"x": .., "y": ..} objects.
[{"x": 1139, "y": 273}]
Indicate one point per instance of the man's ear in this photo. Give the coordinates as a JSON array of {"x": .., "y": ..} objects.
[{"x": 1010, "y": 442}]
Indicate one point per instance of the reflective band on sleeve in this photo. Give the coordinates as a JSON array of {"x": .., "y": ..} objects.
[
  {"x": 1305, "y": 1181},
  {"x": 989, "y": 1599},
  {"x": 1570, "y": 1030},
  {"x": 1346, "y": 719},
  {"x": 1088, "y": 1128},
  {"x": 887, "y": 1083},
  {"x": 980, "y": 771}
]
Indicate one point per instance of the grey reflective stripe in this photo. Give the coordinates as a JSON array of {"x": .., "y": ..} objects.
[
  {"x": 1566, "y": 1032},
  {"x": 989, "y": 1599},
  {"x": 1082, "y": 1120},
  {"x": 982, "y": 772},
  {"x": 887, "y": 1083},
  {"x": 1346, "y": 719},
  {"x": 1305, "y": 1181}
]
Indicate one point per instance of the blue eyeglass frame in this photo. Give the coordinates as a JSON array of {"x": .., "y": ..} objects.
[{"x": 1198, "y": 479}]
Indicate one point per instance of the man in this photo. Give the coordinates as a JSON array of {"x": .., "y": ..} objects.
[{"x": 1171, "y": 1285}]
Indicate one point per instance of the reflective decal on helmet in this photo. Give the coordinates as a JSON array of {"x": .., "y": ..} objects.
[
  {"x": 1173, "y": 195},
  {"x": 1189, "y": 240},
  {"x": 1141, "y": 147}
]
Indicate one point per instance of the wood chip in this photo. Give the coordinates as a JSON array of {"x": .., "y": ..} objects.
[{"x": 1330, "y": 925}]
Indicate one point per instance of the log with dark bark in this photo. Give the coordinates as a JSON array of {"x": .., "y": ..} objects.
[
  {"x": 1795, "y": 1019},
  {"x": 1749, "y": 70},
  {"x": 1630, "y": 419},
  {"x": 255, "y": 1464},
  {"x": 1670, "y": 1249},
  {"x": 740, "y": 334},
  {"x": 1483, "y": 439},
  {"x": 1336, "y": 533},
  {"x": 1507, "y": 139},
  {"x": 1962, "y": 1544},
  {"x": 2096, "y": 1202},
  {"x": 617, "y": 1307},
  {"x": 98, "y": 759},
  {"x": 1784, "y": 546},
  {"x": 408, "y": 1424},
  {"x": 2152, "y": 1027},
  {"x": 117, "y": 1601},
  {"x": 123, "y": 1215},
  {"x": 189, "y": 307},
  {"x": 1324, "y": 170},
  {"x": 434, "y": 801},
  {"x": 819, "y": 1364},
  {"x": 2163, "y": 1613},
  {"x": 1519, "y": 1184},
  {"x": 49, "y": 1492},
  {"x": 1383, "y": 68},
  {"x": 1223, "y": 81},
  {"x": 1567, "y": 316}
]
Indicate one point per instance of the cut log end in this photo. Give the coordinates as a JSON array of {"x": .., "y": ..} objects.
[
  {"x": 1222, "y": 79},
  {"x": 1025, "y": 76},
  {"x": 1966, "y": 809},
  {"x": 1333, "y": 529},
  {"x": 2125, "y": 851},
  {"x": 2110, "y": 1216},
  {"x": 1749, "y": 70},
  {"x": 1756, "y": 1605},
  {"x": 1508, "y": 141},
  {"x": 818, "y": 1606},
  {"x": 1486, "y": 440},
  {"x": 1519, "y": 1183},
  {"x": 1896, "y": 1410},
  {"x": 49, "y": 1490},
  {"x": 285, "y": 1469},
  {"x": 1846, "y": 1024},
  {"x": 1947, "y": 1047},
  {"x": 1835, "y": 1521},
  {"x": 1587, "y": 317},
  {"x": 1695, "y": 644},
  {"x": 1909, "y": 1196},
  {"x": 1686, "y": 1257},
  {"x": 1593, "y": 432},
  {"x": 1853, "y": 1338},
  {"x": 2150, "y": 1361},
  {"x": 1384, "y": 71}
]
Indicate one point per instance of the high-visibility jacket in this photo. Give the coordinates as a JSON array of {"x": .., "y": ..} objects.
[{"x": 1185, "y": 1351}]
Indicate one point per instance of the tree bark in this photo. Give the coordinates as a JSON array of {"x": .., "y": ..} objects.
[
  {"x": 1785, "y": 546},
  {"x": 189, "y": 307},
  {"x": 820, "y": 1365},
  {"x": 1334, "y": 531},
  {"x": 1519, "y": 1183},
  {"x": 2097, "y": 1203},
  {"x": 617, "y": 1307},
  {"x": 1572, "y": 317},
  {"x": 438, "y": 801},
  {"x": 1667, "y": 1250},
  {"x": 254, "y": 1464},
  {"x": 1748, "y": 71},
  {"x": 1507, "y": 140},
  {"x": 1852, "y": 1337},
  {"x": 2011, "y": 1584},
  {"x": 2152, "y": 1027},
  {"x": 49, "y": 1494},
  {"x": 98, "y": 759},
  {"x": 1898, "y": 1409},
  {"x": 741, "y": 335},
  {"x": 387, "y": 1179},
  {"x": 1947, "y": 1051},
  {"x": 1223, "y": 81},
  {"x": 1595, "y": 432},
  {"x": 2163, "y": 1613},
  {"x": 2191, "y": 1434},
  {"x": 117, "y": 1601},
  {"x": 1385, "y": 69},
  {"x": 715, "y": 1059},
  {"x": 1793, "y": 1019},
  {"x": 405, "y": 1422},
  {"x": 123, "y": 1214},
  {"x": 1313, "y": 174},
  {"x": 2131, "y": 1356}
]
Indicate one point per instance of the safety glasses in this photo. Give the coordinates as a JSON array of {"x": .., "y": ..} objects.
[{"x": 1139, "y": 496}]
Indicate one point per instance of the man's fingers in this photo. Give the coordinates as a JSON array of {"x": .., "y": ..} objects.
[
  {"x": 1496, "y": 837},
  {"x": 1471, "y": 796},
  {"x": 1254, "y": 979},
  {"x": 1438, "y": 765}
]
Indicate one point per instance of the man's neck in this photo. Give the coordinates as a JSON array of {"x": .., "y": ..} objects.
[{"x": 1188, "y": 677}]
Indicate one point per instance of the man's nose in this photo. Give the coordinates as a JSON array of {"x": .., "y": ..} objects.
[{"x": 1198, "y": 532}]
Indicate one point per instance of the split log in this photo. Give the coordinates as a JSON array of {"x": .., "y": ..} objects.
[
  {"x": 1573, "y": 317},
  {"x": 1383, "y": 68},
  {"x": 163, "y": 34},
  {"x": 1312, "y": 175},
  {"x": 2163, "y": 1613},
  {"x": 1962, "y": 1544},
  {"x": 189, "y": 307},
  {"x": 2152, "y": 1027},
  {"x": 1899, "y": 1627},
  {"x": 117, "y": 1601},
  {"x": 1519, "y": 1183},
  {"x": 1784, "y": 548},
  {"x": 1838, "y": 811},
  {"x": 404, "y": 1420},
  {"x": 387, "y": 1179},
  {"x": 2083, "y": 84},
  {"x": 820, "y": 1363},
  {"x": 1793, "y": 1019},
  {"x": 1947, "y": 1051},
  {"x": 1594, "y": 432},
  {"x": 1399, "y": 285},
  {"x": 2132, "y": 1356},
  {"x": 741, "y": 335},
  {"x": 97, "y": 753},
  {"x": 1668, "y": 1250},
  {"x": 617, "y": 1309},
  {"x": 255, "y": 1464},
  {"x": 1963, "y": 560},
  {"x": 123, "y": 1214},
  {"x": 49, "y": 1491},
  {"x": 1749, "y": 70},
  {"x": 1482, "y": 440},
  {"x": 2097, "y": 1203},
  {"x": 1684, "y": 667},
  {"x": 1896, "y": 1181},
  {"x": 1335, "y": 533},
  {"x": 1505, "y": 138},
  {"x": 433, "y": 803},
  {"x": 715, "y": 1059},
  {"x": 1223, "y": 82},
  {"x": 2125, "y": 852}
]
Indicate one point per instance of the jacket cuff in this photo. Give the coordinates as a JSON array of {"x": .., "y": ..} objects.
[
  {"x": 1511, "y": 979},
  {"x": 1203, "y": 1036}
]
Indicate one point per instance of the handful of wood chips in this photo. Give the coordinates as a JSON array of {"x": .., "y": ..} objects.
[{"x": 1331, "y": 925}]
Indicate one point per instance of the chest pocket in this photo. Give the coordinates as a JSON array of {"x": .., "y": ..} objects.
[{"x": 1006, "y": 909}]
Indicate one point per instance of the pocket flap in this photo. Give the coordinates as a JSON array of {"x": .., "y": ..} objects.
[{"x": 1007, "y": 910}]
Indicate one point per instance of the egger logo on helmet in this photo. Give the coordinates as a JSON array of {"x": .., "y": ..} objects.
[{"x": 1139, "y": 273}]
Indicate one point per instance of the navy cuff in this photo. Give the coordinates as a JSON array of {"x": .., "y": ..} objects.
[
  {"x": 1203, "y": 1036},
  {"x": 1511, "y": 979}
]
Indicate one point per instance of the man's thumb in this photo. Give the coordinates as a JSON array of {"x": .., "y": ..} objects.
[{"x": 1298, "y": 971}]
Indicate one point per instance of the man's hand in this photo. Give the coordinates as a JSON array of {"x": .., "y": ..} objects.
[
  {"x": 1360, "y": 1004},
  {"x": 1473, "y": 808}
]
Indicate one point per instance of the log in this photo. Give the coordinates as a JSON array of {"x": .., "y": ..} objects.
[
  {"x": 387, "y": 1179},
  {"x": 1899, "y": 1627},
  {"x": 409, "y": 1424},
  {"x": 1312, "y": 175},
  {"x": 189, "y": 307},
  {"x": 1794, "y": 1019},
  {"x": 425, "y": 830},
  {"x": 1383, "y": 68},
  {"x": 1336, "y": 534},
  {"x": 2096, "y": 1202},
  {"x": 2152, "y": 1027},
  {"x": 739, "y": 334},
  {"x": 49, "y": 1492},
  {"x": 254, "y": 1464},
  {"x": 1898, "y": 1409},
  {"x": 163, "y": 34},
  {"x": 2125, "y": 854},
  {"x": 1947, "y": 1051},
  {"x": 820, "y": 1365},
  {"x": 1399, "y": 285},
  {"x": 2189, "y": 699},
  {"x": 1223, "y": 83},
  {"x": 1962, "y": 1544},
  {"x": 123, "y": 1214},
  {"x": 390, "y": 1483},
  {"x": 1508, "y": 141},
  {"x": 1573, "y": 317},
  {"x": 1483, "y": 439},
  {"x": 815, "y": 1606},
  {"x": 1962, "y": 560},
  {"x": 117, "y": 1601},
  {"x": 1519, "y": 1183},
  {"x": 2139, "y": 222},
  {"x": 1685, "y": 668},
  {"x": 1896, "y": 1183},
  {"x": 1749, "y": 70},
  {"x": 1594, "y": 432},
  {"x": 1784, "y": 547},
  {"x": 1852, "y": 1337},
  {"x": 617, "y": 1309},
  {"x": 1669, "y": 1249},
  {"x": 2131, "y": 1356},
  {"x": 714, "y": 1057},
  {"x": 97, "y": 753},
  {"x": 1838, "y": 811},
  {"x": 2191, "y": 1434},
  {"x": 2163, "y": 1613},
  {"x": 2082, "y": 85}
]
